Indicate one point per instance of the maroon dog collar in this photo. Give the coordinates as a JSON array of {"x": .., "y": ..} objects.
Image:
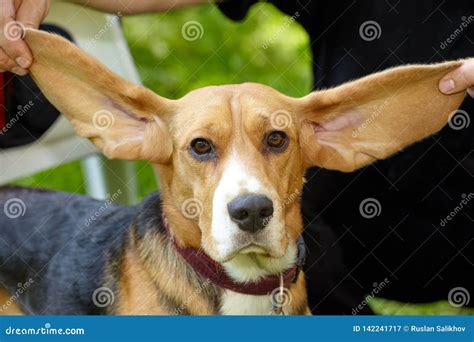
[{"x": 215, "y": 272}]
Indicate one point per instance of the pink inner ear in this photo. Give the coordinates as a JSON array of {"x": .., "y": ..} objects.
[
  {"x": 339, "y": 121},
  {"x": 118, "y": 106},
  {"x": 329, "y": 131}
]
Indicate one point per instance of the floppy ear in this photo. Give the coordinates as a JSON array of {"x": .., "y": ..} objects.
[
  {"x": 350, "y": 126},
  {"x": 124, "y": 120}
]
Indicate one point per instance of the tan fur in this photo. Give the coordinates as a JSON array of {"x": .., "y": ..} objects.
[
  {"x": 7, "y": 308},
  {"x": 298, "y": 304},
  {"x": 342, "y": 128},
  {"x": 172, "y": 278},
  {"x": 137, "y": 290}
]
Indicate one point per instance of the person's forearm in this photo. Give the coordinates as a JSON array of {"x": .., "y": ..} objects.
[{"x": 134, "y": 6}]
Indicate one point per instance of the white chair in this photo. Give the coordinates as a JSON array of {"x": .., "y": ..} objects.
[{"x": 101, "y": 36}]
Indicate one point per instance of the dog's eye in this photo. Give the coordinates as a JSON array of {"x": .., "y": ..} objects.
[
  {"x": 201, "y": 148},
  {"x": 276, "y": 141}
]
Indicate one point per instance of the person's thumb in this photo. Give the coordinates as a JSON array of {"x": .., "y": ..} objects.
[{"x": 459, "y": 80}]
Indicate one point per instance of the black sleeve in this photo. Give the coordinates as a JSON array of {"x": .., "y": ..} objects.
[{"x": 236, "y": 9}]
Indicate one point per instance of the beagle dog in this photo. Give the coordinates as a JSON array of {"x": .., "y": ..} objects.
[{"x": 223, "y": 235}]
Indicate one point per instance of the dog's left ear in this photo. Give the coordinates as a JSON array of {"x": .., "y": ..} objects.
[
  {"x": 124, "y": 120},
  {"x": 352, "y": 125}
]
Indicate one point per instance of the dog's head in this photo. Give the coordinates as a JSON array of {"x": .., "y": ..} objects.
[{"x": 232, "y": 158}]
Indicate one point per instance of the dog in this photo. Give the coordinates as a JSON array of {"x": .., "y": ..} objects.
[{"x": 223, "y": 235}]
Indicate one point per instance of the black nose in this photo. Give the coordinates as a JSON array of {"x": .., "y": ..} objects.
[{"x": 251, "y": 212}]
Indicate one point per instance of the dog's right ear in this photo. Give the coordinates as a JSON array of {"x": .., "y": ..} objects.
[
  {"x": 124, "y": 120},
  {"x": 352, "y": 125}
]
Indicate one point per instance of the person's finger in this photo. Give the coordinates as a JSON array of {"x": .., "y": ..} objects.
[
  {"x": 7, "y": 10},
  {"x": 6, "y": 63},
  {"x": 32, "y": 12},
  {"x": 29, "y": 14},
  {"x": 11, "y": 32},
  {"x": 459, "y": 80},
  {"x": 14, "y": 46}
]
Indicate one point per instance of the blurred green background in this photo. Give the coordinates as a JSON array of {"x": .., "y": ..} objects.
[{"x": 227, "y": 52}]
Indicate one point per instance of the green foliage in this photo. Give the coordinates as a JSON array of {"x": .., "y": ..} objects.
[
  {"x": 227, "y": 52},
  {"x": 390, "y": 307}
]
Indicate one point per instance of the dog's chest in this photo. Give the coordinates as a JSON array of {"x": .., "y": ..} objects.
[{"x": 233, "y": 303}]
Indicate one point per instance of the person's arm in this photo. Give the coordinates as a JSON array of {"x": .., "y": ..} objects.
[
  {"x": 15, "y": 56},
  {"x": 134, "y": 6}
]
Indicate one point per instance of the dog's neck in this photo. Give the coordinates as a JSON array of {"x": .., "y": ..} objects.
[{"x": 255, "y": 283}]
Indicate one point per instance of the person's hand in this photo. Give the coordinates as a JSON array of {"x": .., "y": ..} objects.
[
  {"x": 460, "y": 79},
  {"x": 15, "y": 16}
]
